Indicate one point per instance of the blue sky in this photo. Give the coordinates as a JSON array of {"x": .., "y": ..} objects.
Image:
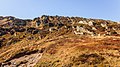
[{"x": 102, "y": 9}]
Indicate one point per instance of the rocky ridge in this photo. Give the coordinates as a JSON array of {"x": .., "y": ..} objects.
[{"x": 78, "y": 25}]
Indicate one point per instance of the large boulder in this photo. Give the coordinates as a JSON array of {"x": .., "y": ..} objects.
[
  {"x": 19, "y": 29},
  {"x": 32, "y": 30},
  {"x": 50, "y": 24},
  {"x": 3, "y": 33}
]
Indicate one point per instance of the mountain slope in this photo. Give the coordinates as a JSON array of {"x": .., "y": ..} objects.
[{"x": 58, "y": 41}]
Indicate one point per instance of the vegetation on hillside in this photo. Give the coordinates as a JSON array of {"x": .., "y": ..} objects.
[{"x": 58, "y": 41}]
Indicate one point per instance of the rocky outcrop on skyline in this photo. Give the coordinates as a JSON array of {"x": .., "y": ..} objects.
[{"x": 78, "y": 25}]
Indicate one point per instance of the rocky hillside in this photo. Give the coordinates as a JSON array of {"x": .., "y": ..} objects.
[
  {"x": 58, "y": 41},
  {"x": 78, "y": 25}
]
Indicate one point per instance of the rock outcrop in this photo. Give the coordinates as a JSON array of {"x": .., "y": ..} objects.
[{"x": 79, "y": 25}]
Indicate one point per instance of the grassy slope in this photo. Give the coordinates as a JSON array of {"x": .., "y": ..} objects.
[
  {"x": 66, "y": 49},
  {"x": 80, "y": 51}
]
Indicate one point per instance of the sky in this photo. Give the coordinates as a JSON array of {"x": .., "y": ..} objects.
[{"x": 29, "y": 9}]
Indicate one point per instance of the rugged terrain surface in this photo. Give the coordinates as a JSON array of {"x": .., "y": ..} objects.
[{"x": 58, "y": 41}]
